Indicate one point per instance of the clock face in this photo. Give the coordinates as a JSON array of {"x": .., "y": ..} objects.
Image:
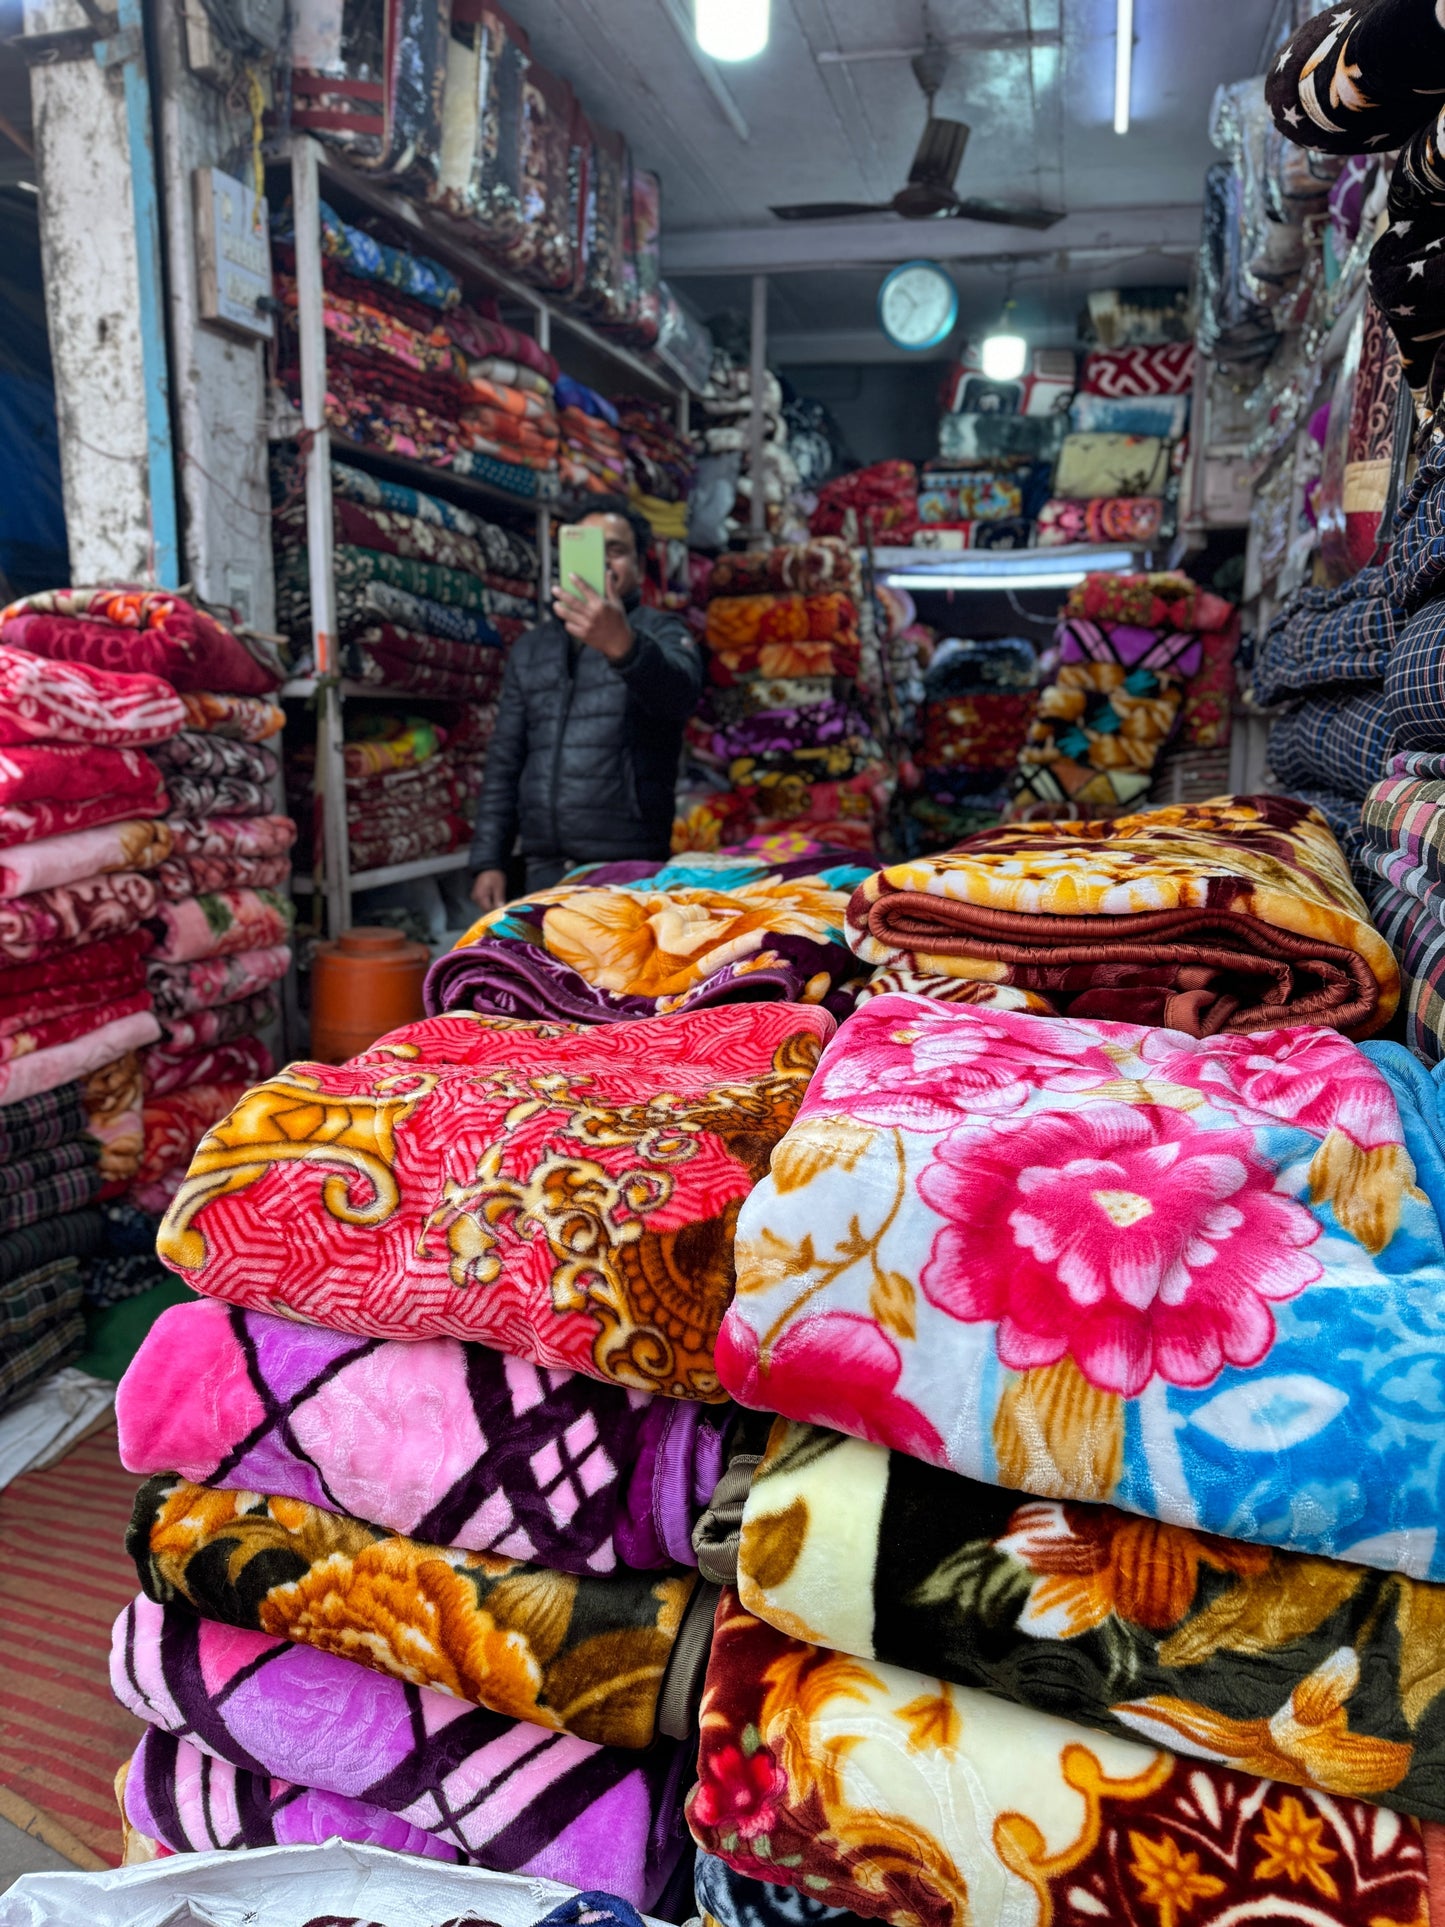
[{"x": 918, "y": 305}]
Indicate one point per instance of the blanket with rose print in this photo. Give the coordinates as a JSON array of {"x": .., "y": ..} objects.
[
  {"x": 1303, "y": 1669},
  {"x": 1199, "y": 1278},
  {"x": 452, "y": 1443},
  {"x": 1238, "y": 914},
  {"x": 626, "y": 940},
  {"x": 902, "y": 1797},
  {"x": 566, "y": 1193},
  {"x": 584, "y": 1655},
  {"x": 350, "y": 1743}
]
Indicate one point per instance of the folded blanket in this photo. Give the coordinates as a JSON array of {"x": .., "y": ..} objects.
[
  {"x": 222, "y": 1023},
  {"x": 590, "y": 1229},
  {"x": 20, "y": 1038},
  {"x": 1096, "y": 735},
  {"x": 62, "y": 773},
  {"x": 508, "y": 1795},
  {"x": 903, "y": 1798},
  {"x": 36, "y": 1123},
  {"x": 1414, "y": 927},
  {"x": 44, "y": 1070},
  {"x": 59, "y": 1341},
  {"x": 726, "y": 1898},
  {"x": 962, "y": 667},
  {"x": 57, "y": 702},
  {"x": 984, "y": 731},
  {"x": 1210, "y": 1647},
  {"x": 1415, "y": 681},
  {"x": 70, "y": 915},
  {"x": 612, "y": 1660},
  {"x": 72, "y": 984},
  {"x": 152, "y": 631},
  {"x": 180, "y": 990},
  {"x": 174, "y": 1125},
  {"x": 449, "y": 1443},
  {"x": 511, "y": 553},
  {"x": 1180, "y": 651},
  {"x": 222, "y": 925},
  {"x": 37, "y": 1300},
  {"x": 1160, "y": 601},
  {"x": 198, "y": 876},
  {"x": 635, "y": 940},
  {"x": 1101, "y": 518},
  {"x": 243, "y": 1060},
  {"x": 57, "y": 860},
  {"x": 1340, "y": 743},
  {"x": 958, "y": 1253},
  {"x": 49, "y": 1183},
  {"x": 1210, "y": 916},
  {"x": 784, "y": 660},
  {"x": 232, "y": 836},
  {"x": 1403, "y": 834},
  {"x": 198, "y": 755},
  {"x": 248, "y": 718},
  {"x": 808, "y": 568},
  {"x": 32, "y": 822},
  {"x": 1326, "y": 636},
  {"x": 218, "y": 796}
]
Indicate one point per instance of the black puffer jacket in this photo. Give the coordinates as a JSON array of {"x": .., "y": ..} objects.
[{"x": 584, "y": 755}]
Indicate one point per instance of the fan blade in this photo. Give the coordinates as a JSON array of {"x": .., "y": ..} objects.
[
  {"x": 831, "y": 210},
  {"x": 1003, "y": 214},
  {"x": 940, "y": 153}
]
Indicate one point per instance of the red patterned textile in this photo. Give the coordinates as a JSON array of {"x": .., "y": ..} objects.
[
  {"x": 1124, "y": 373},
  {"x": 57, "y": 702},
  {"x": 136, "y": 630}
]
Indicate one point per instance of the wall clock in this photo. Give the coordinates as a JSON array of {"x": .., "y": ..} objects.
[{"x": 918, "y": 306}]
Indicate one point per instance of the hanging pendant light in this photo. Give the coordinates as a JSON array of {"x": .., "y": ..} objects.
[
  {"x": 1004, "y": 353},
  {"x": 733, "y": 29}
]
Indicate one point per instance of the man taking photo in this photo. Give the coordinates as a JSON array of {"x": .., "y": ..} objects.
[{"x": 583, "y": 759}]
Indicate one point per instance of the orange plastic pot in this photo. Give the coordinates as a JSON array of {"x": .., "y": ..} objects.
[{"x": 366, "y": 983}]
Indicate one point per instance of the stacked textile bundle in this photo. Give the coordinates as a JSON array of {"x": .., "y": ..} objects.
[
  {"x": 594, "y": 460},
  {"x": 728, "y": 406},
  {"x": 877, "y": 504},
  {"x": 1144, "y": 1278},
  {"x": 1129, "y": 648},
  {"x": 1116, "y": 469},
  {"x": 88, "y": 684},
  {"x": 423, "y": 1465},
  {"x": 782, "y": 723},
  {"x": 224, "y": 906},
  {"x": 998, "y": 441},
  {"x": 622, "y": 941},
  {"x": 979, "y": 703},
  {"x": 411, "y": 786},
  {"x": 661, "y": 465},
  {"x": 1400, "y": 838}
]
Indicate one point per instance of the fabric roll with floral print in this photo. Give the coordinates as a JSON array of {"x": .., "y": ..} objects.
[
  {"x": 248, "y": 718},
  {"x": 984, "y": 731},
  {"x": 1097, "y": 732},
  {"x": 633, "y": 940},
  {"x": 58, "y": 702},
  {"x": 147, "y": 631},
  {"x": 242, "y": 1060},
  {"x": 19, "y": 1038},
  {"x": 511, "y": 1796},
  {"x": 726, "y": 1898},
  {"x": 806, "y": 568},
  {"x": 567, "y": 1194},
  {"x": 220, "y": 925},
  {"x": 222, "y": 1023},
  {"x": 589, "y": 1656},
  {"x": 901, "y": 1797},
  {"x": 57, "y": 775},
  {"x": 1094, "y": 1261},
  {"x": 194, "y": 876},
  {"x": 446, "y": 1442},
  {"x": 231, "y": 836},
  {"x": 44, "y": 1070},
  {"x": 71, "y": 915},
  {"x": 1232, "y": 915},
  {"x": 174, "y": 1124},
  {"x": 1301, "y": 1669}
]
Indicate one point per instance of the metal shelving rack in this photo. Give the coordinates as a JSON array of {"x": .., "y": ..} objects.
[{"x": 316, "y": 173}]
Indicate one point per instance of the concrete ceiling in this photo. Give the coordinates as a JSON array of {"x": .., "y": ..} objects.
[{"x": 1034, "y": 80}]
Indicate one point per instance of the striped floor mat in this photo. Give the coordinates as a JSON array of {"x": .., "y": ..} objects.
[{"x": 64, "y": 1576}]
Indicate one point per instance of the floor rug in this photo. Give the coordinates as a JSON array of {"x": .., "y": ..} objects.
[{"x": 62, "y": 1735}]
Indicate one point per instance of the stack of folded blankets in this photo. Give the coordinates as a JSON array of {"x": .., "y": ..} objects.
[
  {"x": 1115, "y": 478},
  {"x": 594, "y": 458},
  {"x": 512, "y": 415},
  {"x": 622, "y": 941},
  {"x": 424, "y": 1461},
  {"x": 782, "y": 715},
  {"x": 1081, "y": 1578},
  {"x": 997, "y": 444},
  {"x": 1143, "y": 659},
  {"x": 411, "y": 788},
  {"x": 983, "y": 506},
  {"x": 93, "y": 851},
  {"x": 877, "y": 504},
  {"x": 661, "y": 465},
  {"x": 979, "y": 703}
]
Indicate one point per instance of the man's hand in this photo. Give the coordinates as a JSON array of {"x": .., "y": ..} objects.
[
  {"x": 489, "y": 890},
  {"x": 598, "y": 622}
]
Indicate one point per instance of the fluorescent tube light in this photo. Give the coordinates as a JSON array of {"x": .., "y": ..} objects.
[
  {"x": 1039, "y": 579},
  {"x": 1123, "y": 63},
  {"x": 733, "y": 29}
]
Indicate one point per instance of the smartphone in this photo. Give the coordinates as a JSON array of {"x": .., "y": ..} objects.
[{"x": 583, "y": 552}]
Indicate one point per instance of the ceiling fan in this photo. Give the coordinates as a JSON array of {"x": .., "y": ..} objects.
[{"x": 930, "y": 194}]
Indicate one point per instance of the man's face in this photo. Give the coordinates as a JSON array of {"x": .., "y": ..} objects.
[{"x": 624, "y": 569}]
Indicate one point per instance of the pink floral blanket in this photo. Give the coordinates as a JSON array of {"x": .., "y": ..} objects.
[{"x": 1200, "y": 1278}]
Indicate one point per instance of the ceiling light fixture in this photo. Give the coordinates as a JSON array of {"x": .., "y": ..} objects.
[
  {"x": 1004, "y": 353},
  {"x": 1123, "y": 63},
  {"x": 733, "y": 29}
]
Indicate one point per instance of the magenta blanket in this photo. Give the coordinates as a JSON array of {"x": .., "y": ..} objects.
[
  {"x": 69, "y": 702},
  {"x": 47, "y": 1070},
  {"x": 241, "y": 1060},
  {"x": 140, "y": 844},
  {"x": 232, "y": 836},
  {"x": 73, "y": 914},
  {"x": 183, "y": 988},
  {"x": 220, "y": 925},
  {"x": 444, "y": 1441}
]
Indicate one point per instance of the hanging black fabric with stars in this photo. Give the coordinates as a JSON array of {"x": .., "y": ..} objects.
[{"x": 1361, "y": 80}]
